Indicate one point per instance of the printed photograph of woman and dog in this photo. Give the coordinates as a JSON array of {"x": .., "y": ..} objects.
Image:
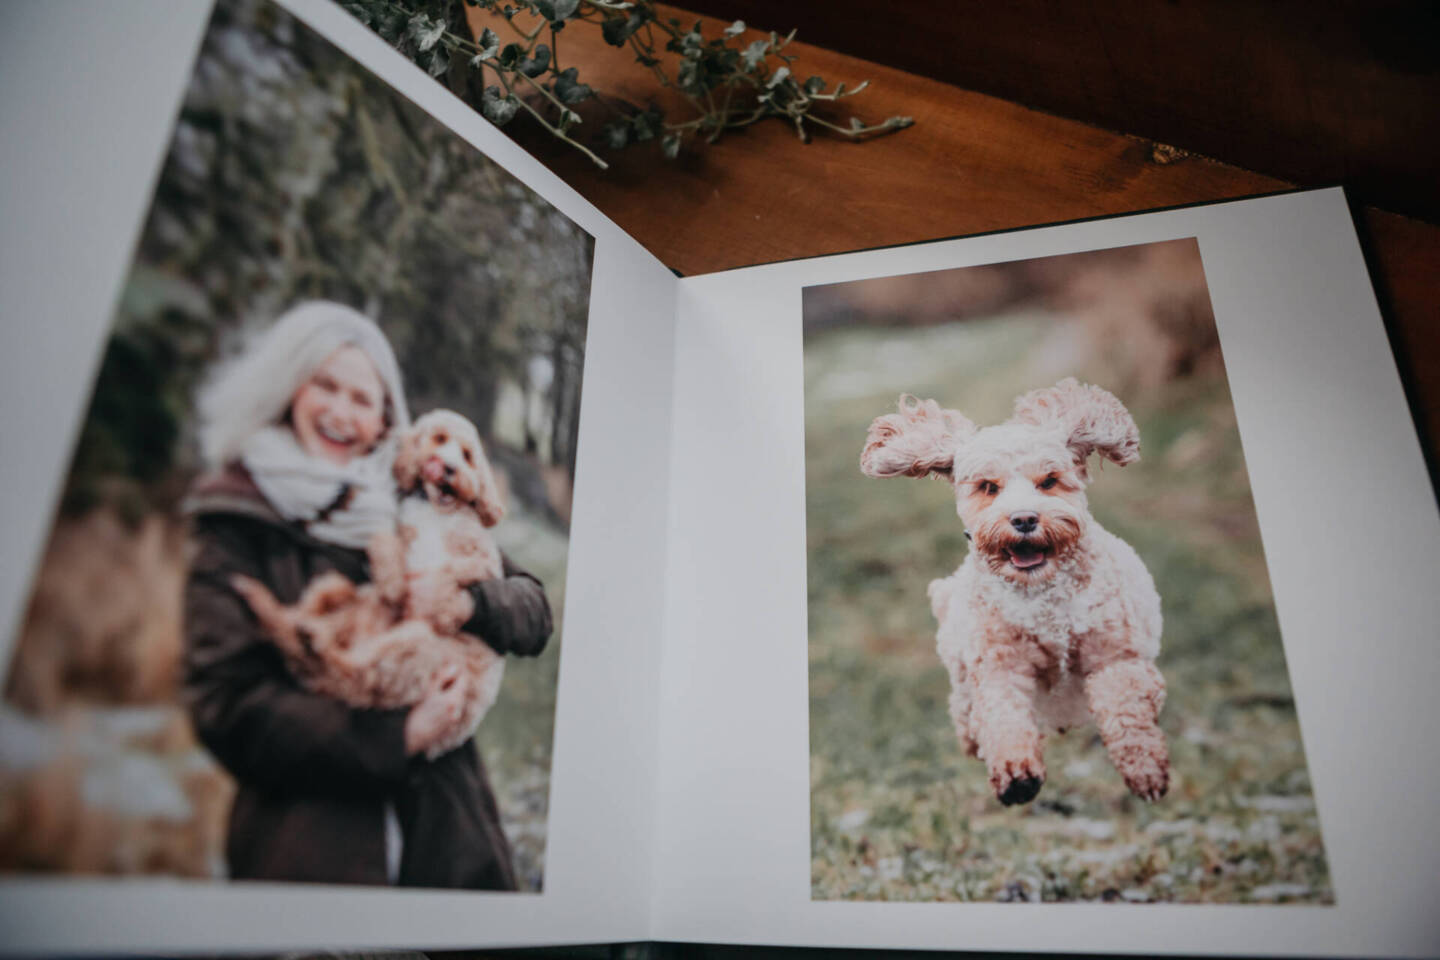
[
  {"x": 298, "y": 618},
  {"x": 1044, "y": 660}
]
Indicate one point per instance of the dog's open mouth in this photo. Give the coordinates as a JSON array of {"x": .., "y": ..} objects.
[
  {"x": 437, "y": 480},
  {"x": 1027, "y": 556},
  {"x": 445, "y": 495}
]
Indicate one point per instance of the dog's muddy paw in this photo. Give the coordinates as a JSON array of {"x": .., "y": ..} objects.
[
  {"x": 1021, "y": 791},
  {"x": 1148, "y": 780},
  {"x": 1017, "y": 782}
]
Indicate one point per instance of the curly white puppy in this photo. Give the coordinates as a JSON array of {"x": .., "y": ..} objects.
[
  {"x": 387, "y": 643},
  {"x": 1051, "y": 620},
  {"x": 449, "y": 501}
]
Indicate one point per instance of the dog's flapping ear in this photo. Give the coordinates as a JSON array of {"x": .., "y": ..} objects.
[
  {"x": 407, "y": 461},
  {"x": 920, "y": 439},
  {"x": 488, "y": 503},
  {"x": 1093, "y": 420}
]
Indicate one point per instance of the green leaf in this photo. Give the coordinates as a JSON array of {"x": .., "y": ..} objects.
[
  {"x": 545, "y": 8},
  {"x": 647, "y": 125},
  {"x": 511, "y": 56},
  {"x": 392, "y": 29},
  {"x": 814, "y": 84},
  {"x": 616, "y": 30},
  {"x": 565, "y": 9},
  {"x": 615, "y": 135},
  {"x": 538, "y": 64},
  {"x": 568, "y": 89},
  {"x": 424, "y": 31},
  {"x": 735, "y": 29},
  {"x": 754, "y": 54},
  {"x": 439, "y": 62},
  {"x": 670, "y": 145},
  {"x": 489, "y": 46},
  {"x": 497, "y": 107},
  {"x": 690, "y": 77}
]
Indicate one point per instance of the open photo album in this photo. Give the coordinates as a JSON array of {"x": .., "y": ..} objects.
[{"x": 399, "y": 555}]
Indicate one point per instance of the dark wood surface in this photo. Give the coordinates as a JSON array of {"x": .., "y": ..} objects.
[
  {"x": 1309, "y": 92},
  {"x": 972, "y": 163}
]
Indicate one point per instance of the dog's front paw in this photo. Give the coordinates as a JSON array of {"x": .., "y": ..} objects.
[
  {"x": 449, "y": 615},
  {"x": 440, "y": 603},
  {"x": 1017, "y": 781},
  {"x": 1148, "y": 777}
]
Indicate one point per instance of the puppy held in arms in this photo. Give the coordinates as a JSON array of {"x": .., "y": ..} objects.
[
  {"x": 1051, "y": 621},
  {"x": 385, "y": 644}
]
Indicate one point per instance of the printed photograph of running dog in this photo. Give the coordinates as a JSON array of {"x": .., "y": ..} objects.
[{"x": 1044, "y": 659}]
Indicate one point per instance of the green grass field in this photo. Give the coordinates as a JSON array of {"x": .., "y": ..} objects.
[{"x": 897, "y": 811}]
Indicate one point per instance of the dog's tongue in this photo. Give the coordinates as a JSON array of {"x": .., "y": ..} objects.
[
  {"x": 1024, "y": 557},
  {"x": 434, "y": 470}
]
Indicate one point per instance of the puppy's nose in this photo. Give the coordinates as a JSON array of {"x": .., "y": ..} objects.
[{"x": 1024, "y": 521}]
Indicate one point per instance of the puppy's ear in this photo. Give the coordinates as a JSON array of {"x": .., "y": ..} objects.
[
  {"x": 921, "y": 438},
  {"x": 488, "y": 503},
  {"x": 407, "y": 460},
  {"x": 1092, "y": 419}
]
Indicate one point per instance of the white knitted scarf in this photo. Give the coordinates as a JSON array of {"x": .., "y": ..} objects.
[{"x": 344, "y": 505}]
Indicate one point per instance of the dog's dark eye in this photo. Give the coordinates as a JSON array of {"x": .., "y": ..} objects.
[
  {"x": 468, "y": 458},
  {"x": 1049, "y": 482},
  {"x": 988, "y": 487},
  {"x": 441, "y": 437}
]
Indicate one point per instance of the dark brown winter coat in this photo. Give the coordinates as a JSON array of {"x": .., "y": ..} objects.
[{"x": 313, "y": 774}]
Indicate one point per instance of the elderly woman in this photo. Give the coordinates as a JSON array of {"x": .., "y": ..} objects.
[{"x": 298, "y": 435}]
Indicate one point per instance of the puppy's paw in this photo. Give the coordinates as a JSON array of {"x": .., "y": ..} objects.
[
  {"x": 391, "y": 589},
  {"x": 440, "y": 603},
  {"x": 1148, "y": 777},
  {"x": 327, "y": 593},
  {"x": 1017, "y": 781}
]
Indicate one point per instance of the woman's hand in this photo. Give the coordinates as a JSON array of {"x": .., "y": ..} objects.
[{"x": 437, "y": 713}]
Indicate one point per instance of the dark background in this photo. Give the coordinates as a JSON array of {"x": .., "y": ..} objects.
[{"x": 1314, "y": 93}]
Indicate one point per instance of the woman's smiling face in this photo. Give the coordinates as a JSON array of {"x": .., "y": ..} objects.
[{"x": 339, "y": 413}]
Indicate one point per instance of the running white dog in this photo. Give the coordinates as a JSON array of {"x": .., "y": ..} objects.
[{"x": 1051, "y": 620}]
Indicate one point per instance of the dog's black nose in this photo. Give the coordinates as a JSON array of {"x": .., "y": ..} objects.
[{"x": 1025, "y": 521}]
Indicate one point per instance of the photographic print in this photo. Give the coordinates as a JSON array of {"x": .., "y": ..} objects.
[
  {"x": 1045, "y": 664},
  {"x": 299, "y": 614}
]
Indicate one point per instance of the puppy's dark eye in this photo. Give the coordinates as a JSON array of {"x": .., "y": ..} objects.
[
  {"x": 441, "y": 436},
  {"x": 469, "y": 458},
  {"x": 1049, "y": 482},
  {"x": 988, "y": 487}
]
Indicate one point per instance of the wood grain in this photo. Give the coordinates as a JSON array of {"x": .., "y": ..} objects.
[
  {"x": 1310, "y": 92},
  {"x": 972, "y": 163}
]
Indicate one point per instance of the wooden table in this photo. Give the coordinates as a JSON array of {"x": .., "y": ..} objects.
[{"x": 971, "y": 164}]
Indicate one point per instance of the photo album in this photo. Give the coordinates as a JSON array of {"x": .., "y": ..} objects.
[{"x": 398, "y": 555}]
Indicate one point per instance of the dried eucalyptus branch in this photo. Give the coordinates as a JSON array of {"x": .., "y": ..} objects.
[{"x": 726, "y": 86}]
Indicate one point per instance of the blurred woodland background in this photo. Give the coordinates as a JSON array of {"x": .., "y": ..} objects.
[
  {"x": 293, "y": 174},
  {"x": 897, "y": 811}
]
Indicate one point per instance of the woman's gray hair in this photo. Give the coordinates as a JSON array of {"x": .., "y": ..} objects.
[{"x": 255, "y": 389}]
